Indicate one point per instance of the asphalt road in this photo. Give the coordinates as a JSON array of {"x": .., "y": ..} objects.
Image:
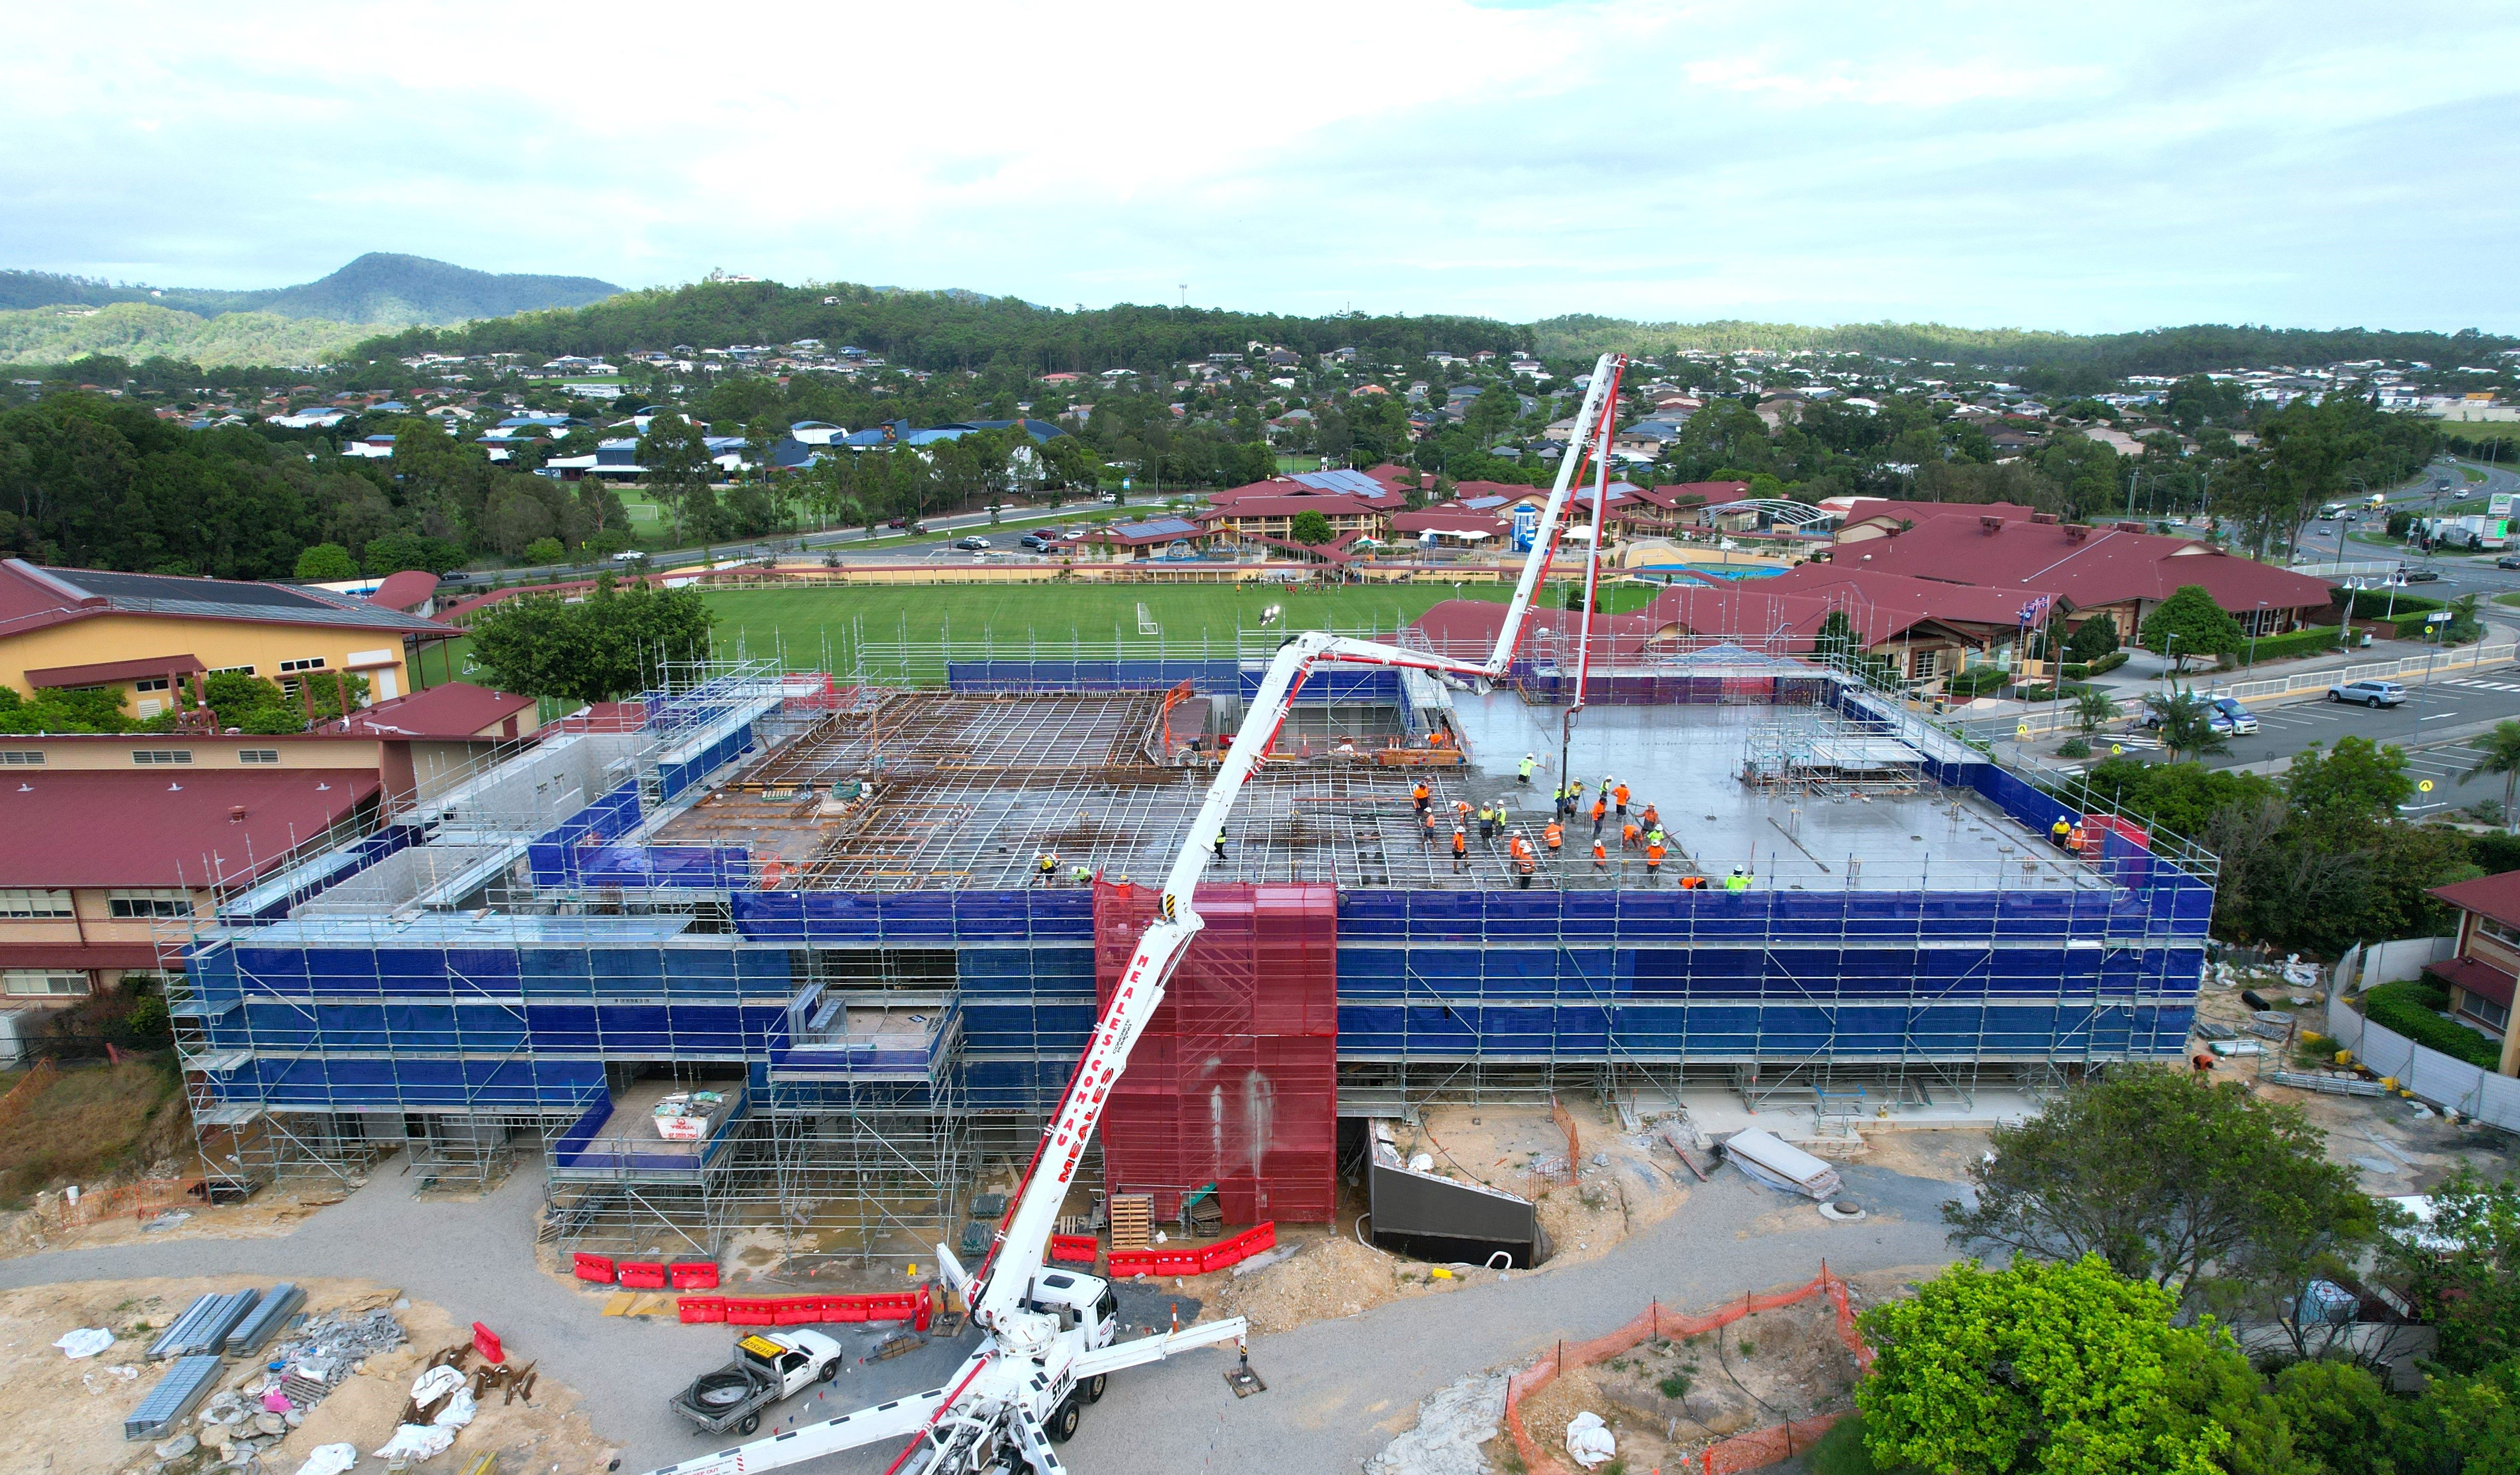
[{"x": 850, "y": 542}]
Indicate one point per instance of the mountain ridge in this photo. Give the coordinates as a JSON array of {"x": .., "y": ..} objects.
[{"x": 379, "y": 288}]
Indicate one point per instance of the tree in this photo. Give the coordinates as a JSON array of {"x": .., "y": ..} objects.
[
  {"x": 2464, "y": 1268},
  {"x": 2189, "y": 624},
  {"x": 545, "y": 552},
  {"x": 2059, "y": 1369},
  {"x": 1312, "y": 529},
  {"x": 678, "y": 464},
  {"x": 2093, "y": 639},
  {"x": 2356, "y": 780},
  {"x": 2499, "y": 753},
  {"x": 2168, "y": 1177},
  {"x": 2186, "y": 727},
  {"x": 397, "y": 552},
  {"x": 325, "y": 562},
  {"x": 2094, "y": 708},
  {"x": 614, "y": 643}
]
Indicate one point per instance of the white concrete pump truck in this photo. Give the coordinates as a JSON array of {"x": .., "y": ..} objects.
[{"x": 1047, "y": 1346}]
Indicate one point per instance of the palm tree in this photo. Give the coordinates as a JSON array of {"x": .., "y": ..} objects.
[
  {"x": 2500, "y": 753},
  {"x": 2094, "y": 707},
  {"x": 2187, "y": 727}
]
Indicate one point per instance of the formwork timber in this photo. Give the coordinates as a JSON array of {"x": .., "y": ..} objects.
[{"x": 828, "y": 901}]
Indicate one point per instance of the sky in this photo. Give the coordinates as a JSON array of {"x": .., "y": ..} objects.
[{"x": 2073, "y": 167}]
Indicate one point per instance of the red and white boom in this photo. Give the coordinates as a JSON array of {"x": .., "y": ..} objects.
[{"x": 1021, "y": 1345}]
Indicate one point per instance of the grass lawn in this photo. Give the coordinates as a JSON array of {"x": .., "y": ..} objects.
[
  {"x": 90, "y": 1120},
  {"x": 807, "y": 621},
  {"x": 2511, "y": 599},
  {"x": 2471, "y": 473}
]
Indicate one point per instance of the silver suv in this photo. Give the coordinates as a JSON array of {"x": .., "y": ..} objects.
[{"x": 2371, "y": 693}]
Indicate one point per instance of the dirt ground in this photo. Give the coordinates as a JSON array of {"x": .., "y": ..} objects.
[
  {"x": 2397, "y": 1146},
  {"x": 1620, "y": 1183},
  {"x": 268, "y": 1215},
  {"x": 74, "y": 1411},
  {"x": 1665, "y": 1400}
]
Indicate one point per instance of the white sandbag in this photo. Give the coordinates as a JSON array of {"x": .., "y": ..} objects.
[
  {"x": 85, "y": 1342},
  {"x": 434, "y": 1384},
  {"x": 330, "y": 1460},
  {"x": 416, "y": 1442},
  {"x": 1588, "y": 1440},
  {"x": 457, "y": 1414}
]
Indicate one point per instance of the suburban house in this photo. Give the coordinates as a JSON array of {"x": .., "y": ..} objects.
[
  {"x": 1923, "y": 648},
  {"x": 141, "y": 633},
  {"x": 2120, "y": 573},
  {"x": 2480, "y": 974},
  {"x": 1987, "y": 624}
]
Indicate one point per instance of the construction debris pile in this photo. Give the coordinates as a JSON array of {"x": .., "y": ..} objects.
[{"x": 322, "y": 1350}]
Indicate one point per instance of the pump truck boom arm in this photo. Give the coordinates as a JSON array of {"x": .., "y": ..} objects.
[
  {"x": 1021, "y": 1357},
  {"x": 1168, "y": 936}
]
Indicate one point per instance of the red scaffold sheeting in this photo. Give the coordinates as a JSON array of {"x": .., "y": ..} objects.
[{"x": 1235, "y": 1080}]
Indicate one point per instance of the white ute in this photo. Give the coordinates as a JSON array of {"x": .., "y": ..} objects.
[{"x": 1046, "y": 1346}]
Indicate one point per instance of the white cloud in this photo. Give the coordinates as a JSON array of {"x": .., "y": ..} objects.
[{"x": 2291, "y": 164}]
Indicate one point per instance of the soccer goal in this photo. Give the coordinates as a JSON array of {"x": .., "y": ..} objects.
[{"x": 1147, "y": 620}]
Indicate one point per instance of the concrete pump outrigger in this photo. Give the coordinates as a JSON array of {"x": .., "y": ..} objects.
[{"x": 1046, "y": 1345}]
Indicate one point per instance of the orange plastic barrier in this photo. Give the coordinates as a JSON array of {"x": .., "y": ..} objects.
[
  {"x": 1755, "y": 1450},
  {"x": 486, "y": 1342},
  {"x": 693, "y": 1275},
  {"x": 596, "y": 1268},
  {"x": 641, "y": 1274},
  {"x": 1073, "y": 1249},
  {"x": 753, "y": 1311},
  {"x": 1193, "y": 1262},
  {"x": 911, "y": 1307}
]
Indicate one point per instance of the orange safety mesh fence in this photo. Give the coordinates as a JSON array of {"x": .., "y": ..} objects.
[
  {"x": 146, "y": 1196},
  {"x": 1574, "y": 1144},
  {"x": 1755, "y": 1450},
  {"x": 23, "y": 1094}
]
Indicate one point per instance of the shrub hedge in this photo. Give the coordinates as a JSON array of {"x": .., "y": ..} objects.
[
  {"x": 1966, "y": 685},
  {"x": 2414, "y": 1008}
]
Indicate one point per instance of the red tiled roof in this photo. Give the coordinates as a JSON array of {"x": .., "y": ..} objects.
[
  {"x": 1969, "y": 603},
  {"x": 1866, "y": 509},
  {"x": 1750, "y": 613},
  {"x": 406, "y": 591},
  {"x": 454, "y": 712},
  {"x": 100, "y": 672},
  {"x": 2103, "y": 566},
  {"x": 1444, "y": 518},
  {"x": 168, "y": 827},
  {"x": 2483, "y": 979},
  {"x": 1329, "y": 505},
  {"x": 2494, "y": 896}
]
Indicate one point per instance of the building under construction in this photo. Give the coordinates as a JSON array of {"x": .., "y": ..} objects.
[{"x": 811, "y": 958}]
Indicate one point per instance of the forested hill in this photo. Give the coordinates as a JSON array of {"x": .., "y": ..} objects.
[
  {"x": 922, "y": 330},
  {"x": 379, "y": 288},
  {"x": 2172, "y": 352}
]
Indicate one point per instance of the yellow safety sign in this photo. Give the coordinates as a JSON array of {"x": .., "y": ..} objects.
[
  {"x": 2116, "y": 748},
  {"x": 2424, "y": 787}
]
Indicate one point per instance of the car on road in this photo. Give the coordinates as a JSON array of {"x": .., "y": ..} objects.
[
  {"x": 971, "y": 545},
  {"x": 1038, "y": 542},
  {"x": 2416, "y": 575},
  {"x": 2243, "y": 721},
  {"x": 2217, "y": 721},
  {"x": 2507, "y": 560},
  {"x": 2371, "y": 694}
]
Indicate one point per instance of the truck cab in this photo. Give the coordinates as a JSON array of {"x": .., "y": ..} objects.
[{"x": 1078, "y": 1301}]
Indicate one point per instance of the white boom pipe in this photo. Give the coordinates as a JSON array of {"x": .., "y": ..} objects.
[{"x": 1595, "y": 397}]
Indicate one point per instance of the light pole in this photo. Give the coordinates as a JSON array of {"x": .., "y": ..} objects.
[{"x": 2254, "y": 620}]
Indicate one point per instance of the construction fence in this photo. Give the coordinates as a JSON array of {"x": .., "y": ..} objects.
[
  {"x": 2434, "y": 1077},
  {"x": 1755, "y": 1450}
]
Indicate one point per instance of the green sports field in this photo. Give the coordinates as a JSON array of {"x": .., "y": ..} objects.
[{"x": 802, "y": 624}]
